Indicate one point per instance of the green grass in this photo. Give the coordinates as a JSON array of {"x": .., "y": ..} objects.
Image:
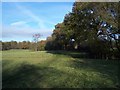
[{"x": 42, "y": 69}]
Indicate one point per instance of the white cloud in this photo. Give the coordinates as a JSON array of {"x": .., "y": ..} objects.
[
  {"x": 40, "y": 20},
  {"x": 18, "y": 23},
  {"x": 23, "y": 29},
  {"x": 29, "y": 26},
  {"x": 30, "y": 14},
  {"x": 24, "y": 32}
]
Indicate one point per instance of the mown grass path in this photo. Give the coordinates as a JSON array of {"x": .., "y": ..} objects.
[{"x": 28, "y": 69}]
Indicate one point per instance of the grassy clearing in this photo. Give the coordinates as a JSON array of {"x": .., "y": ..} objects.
[{"x": 27, "y": 69}]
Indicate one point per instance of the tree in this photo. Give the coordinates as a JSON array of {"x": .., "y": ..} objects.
[
  {"x": 86, "y": 20},
  {"x": 6, "y": 45},
  {"x": 41, "y": 45},
  {"x": 35, "y": 40},
  {"x": 87, "y": 27},
  {"x": 14, "y": 45},
  {"x": 0, "y": 45},
  {"x": 49, "y": 44}
]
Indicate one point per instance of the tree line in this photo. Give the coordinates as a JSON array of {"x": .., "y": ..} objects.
[
  {"x": 91, "y": 27},
  {"x": 23, "y": 45}
]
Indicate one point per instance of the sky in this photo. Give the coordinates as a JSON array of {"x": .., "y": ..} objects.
[{"x": 21, "y": 20}]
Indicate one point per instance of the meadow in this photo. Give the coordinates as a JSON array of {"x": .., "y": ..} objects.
[{"x": 57, "y": 69}]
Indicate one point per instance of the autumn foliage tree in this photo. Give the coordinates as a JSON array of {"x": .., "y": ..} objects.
[{"x": 91, "y": 27}]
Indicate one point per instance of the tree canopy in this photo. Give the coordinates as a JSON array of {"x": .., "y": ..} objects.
[{"x": 90, "y": 27}]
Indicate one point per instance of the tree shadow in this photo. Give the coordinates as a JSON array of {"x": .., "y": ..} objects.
[
  {"x": 33, "y": 76},
  {"x": 73, "y": 54},
  {"x": 44, "y": 76},
  {"x": 107, "y": 68},
  {"x": 20, "y": 76}
]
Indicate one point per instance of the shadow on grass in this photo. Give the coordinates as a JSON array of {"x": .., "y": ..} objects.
[
  {"x": 70, "y": 53},
  {"x": 41, "y": 76},
  {"x": 31, "y": 76},
  {"x": 108, "y": 68},
  {"x": 18, "y": 77}
]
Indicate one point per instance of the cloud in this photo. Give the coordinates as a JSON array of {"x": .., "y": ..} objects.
[
  {"x": 40, "y": 20},
  {"x": 34, "y": 17},
  {"x": 32, "y": 23},
  {"x": 23, "y": 32},
  {"x": 24, "y": 29},
  {"x": 19, "y": 23}
]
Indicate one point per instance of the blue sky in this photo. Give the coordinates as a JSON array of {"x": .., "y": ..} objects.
[{"x": 20, "y": 20}]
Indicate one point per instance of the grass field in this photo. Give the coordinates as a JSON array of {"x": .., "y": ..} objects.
[{"x": 28, "y": 69}]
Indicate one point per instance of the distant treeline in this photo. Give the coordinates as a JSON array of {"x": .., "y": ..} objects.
[
  {"x": 23, "y": 45},
  {"x": 102, "y": 51}
]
